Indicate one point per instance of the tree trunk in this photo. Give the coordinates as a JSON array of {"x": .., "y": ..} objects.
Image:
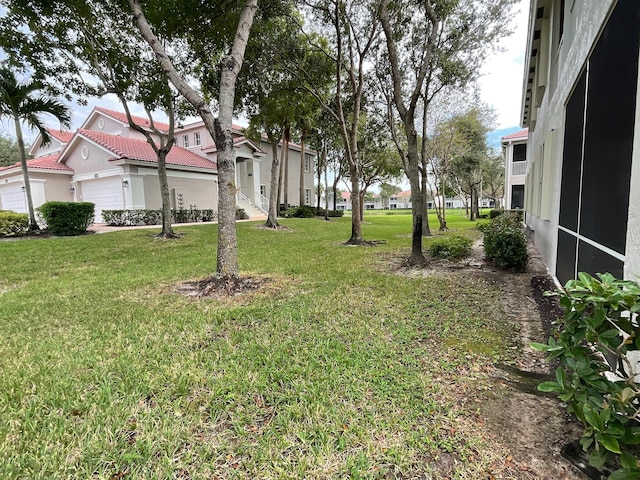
[
  {"x": 302, "y": 154},
  {"x": 219, "y": 128},
  {"x": 33, "y": 223},
  {"x": 272, "y": 217},
  {"x": 167, "y": 229},
  {"x": 326, "y": 188},
  {"x": 417, "y": 200},
  {"x": 472, "y": 211},
  {"x": 426, "y": 231},
  {"x": 356, "y": 225},
  {"x": 362, "y": 195},
  {"x": 280, "y": 175},
  {"x": 443, "y": 219}
]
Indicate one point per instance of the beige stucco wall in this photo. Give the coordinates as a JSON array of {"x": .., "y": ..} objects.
[
  {"x": 96, "y": 161},
  {"x": 293, "y": 189},
  {"x": 57, "y": 186},
  {"x": 585, "y": 23},
  {"x": 196, "y": 191}
]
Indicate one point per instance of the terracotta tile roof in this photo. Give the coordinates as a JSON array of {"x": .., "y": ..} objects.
[
  {"x": 522, "y": 134},
  {"x": 142, "y": 121},
  {"x": 48, "y": 162},
  {"x": 406, "y": 193},
  {"x": 346, "y": 195},
  {"x": 133, "y": 149},
  {"x": 61, "y": 135}
]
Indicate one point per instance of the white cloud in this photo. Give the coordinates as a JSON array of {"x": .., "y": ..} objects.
[{"x": 501, "y": 81}]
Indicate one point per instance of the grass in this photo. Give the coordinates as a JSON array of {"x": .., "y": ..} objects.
[{"x": 339, "y": 369}]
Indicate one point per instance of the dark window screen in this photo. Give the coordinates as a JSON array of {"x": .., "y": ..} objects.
[
  {"x": 520, "y": 152},
  {"x": 517, "y": 196},
  {"x": 566, "y": 260},
  {"x": 593, "y": 260},
  {"x": 572, "y": 156},
  {"x": 611, "y": 101}
]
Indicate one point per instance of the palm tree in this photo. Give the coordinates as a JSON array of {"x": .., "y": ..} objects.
[{"x": 17, "y": 103}]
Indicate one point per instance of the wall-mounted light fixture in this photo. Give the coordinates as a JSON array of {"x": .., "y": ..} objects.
[
  {"x": 125, "y": 183},
  {"x": 24, "y": 189},
  {"x": 72, "y": 190}
]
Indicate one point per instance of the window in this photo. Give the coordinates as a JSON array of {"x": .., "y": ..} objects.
[
  {"x": 307, "y": 164},
  {"x": 520, "y": 152},
  {"x": 196, "y": 138},
  {"x": 517, "y": 196},
  {"x": 307, "y": 196},
  {"x": 185, "y": 141}
]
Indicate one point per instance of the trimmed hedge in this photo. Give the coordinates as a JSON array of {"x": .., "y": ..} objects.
[
  {"x": 120, "y": 218},
  {"x": 505, "y": 243},
  {"x": 452, "y": 247},
  {"x": 13, "y": 224},
  {"x": 67, "y": 218},
  {"x": 332, "y": 213},
  {"x": 496, "y": 212}
]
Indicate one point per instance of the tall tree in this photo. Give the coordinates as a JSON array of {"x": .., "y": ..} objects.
[
  {"x": 352, "y": 29},
  {"x": 466, "y": 167},
  {"x": 493, "y": 178},
  {"x": 9, "y": 151},
  {"x": 430, "y": 45},
  {"x": 218, "y": 126},
  {"x": 21, "y": 102}
]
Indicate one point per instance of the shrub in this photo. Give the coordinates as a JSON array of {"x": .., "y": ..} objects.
[
  {"x": 67, "y": 218},
  {"x": 116, "y": 218},
  {"x": 496, "y": 212},
  {"x": 304, "y": 211},
  {"x": 336, "y": 213},
  {"x": 505, "y": 243},
  {"x": 482, "y": 225},
  {"x": 13, "y": 224},
  {"x": 597, "y": 377},
  {"x": 452, "y": 247},
  {"x": 241, "y": 214}
]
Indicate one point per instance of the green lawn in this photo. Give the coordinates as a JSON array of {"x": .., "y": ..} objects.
[{"x": 339, "y": 369}]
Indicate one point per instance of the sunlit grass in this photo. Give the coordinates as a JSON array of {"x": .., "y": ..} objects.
[{"x": 339, "y": 368}]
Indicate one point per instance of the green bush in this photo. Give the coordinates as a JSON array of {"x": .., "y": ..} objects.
[
  {"x": 115, "y": 218},
  {"x": 452, "y": 247},
  {"x": 336, "y": 213},
  {"x": 496, "y": 212},
  {"x": 304, "y": 211},
  {"x": 13, "y": 224},
  {"x": 505, "y": 243},
  {"x": 482, "y": 225},
  {"x": 597, "y": 344},
  {"x": 67, "y": 218},
  {"x": 241, "y": 214}
]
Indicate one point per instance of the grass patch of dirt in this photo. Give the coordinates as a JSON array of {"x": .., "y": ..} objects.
[{"x": 531, "y": 428}]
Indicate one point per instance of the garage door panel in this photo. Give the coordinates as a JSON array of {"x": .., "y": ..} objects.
[
  {"x": 105, "y": 193},
  {"x": 13, "y": 198}
]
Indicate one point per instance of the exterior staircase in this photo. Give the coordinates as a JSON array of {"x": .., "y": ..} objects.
[{"x": 257, "y": 210}]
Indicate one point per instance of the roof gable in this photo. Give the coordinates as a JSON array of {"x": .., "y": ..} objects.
[
  {"x": 47, "y": 162},
  {"x": 123, "y": 148},
  {"x": 121, "y": 117}
]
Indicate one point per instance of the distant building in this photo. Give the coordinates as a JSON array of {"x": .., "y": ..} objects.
[{"x": 514, "y": 150}]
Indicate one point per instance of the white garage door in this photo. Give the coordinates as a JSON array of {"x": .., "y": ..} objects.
[
  {"x": 106, "y": 193},
  {"x": 13, "y": 198}
]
